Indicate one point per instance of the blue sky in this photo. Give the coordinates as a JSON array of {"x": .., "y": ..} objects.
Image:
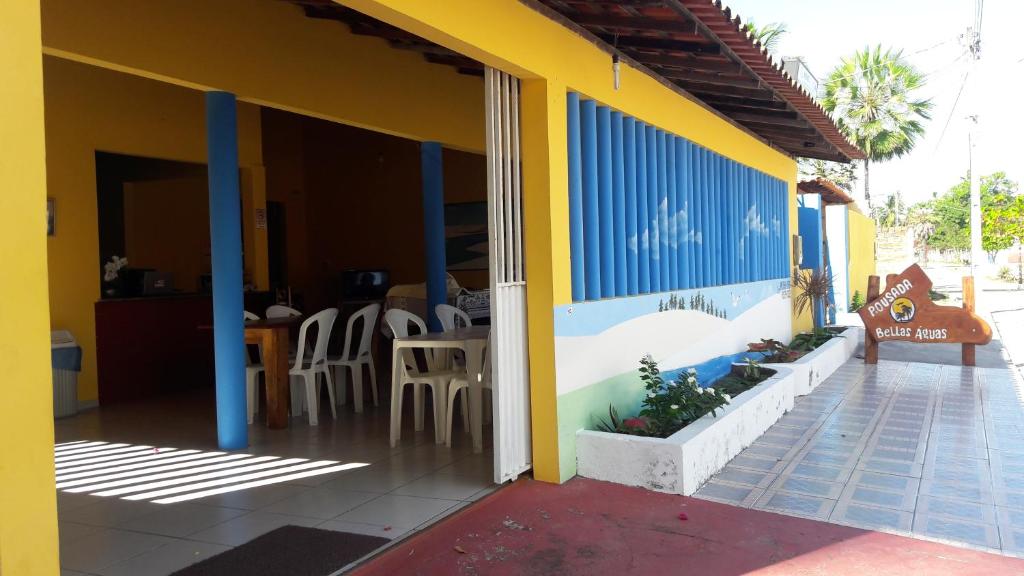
[{"x": 823, "y": 31}]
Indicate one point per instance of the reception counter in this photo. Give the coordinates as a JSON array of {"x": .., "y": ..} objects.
[{"x": 151, "y": 346}]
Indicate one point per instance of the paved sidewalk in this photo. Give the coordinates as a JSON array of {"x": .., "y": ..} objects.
[
  {"x": 925, "y": 450},
  {"x": 590, "y": 528}
]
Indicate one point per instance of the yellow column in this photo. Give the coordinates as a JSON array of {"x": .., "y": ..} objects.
[
  {"x": 546, "y": 209},
  {"x": 801, "y": 322},
  {"x": 28, "y": 510}
]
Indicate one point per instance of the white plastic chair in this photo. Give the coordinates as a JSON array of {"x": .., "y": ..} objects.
[
  {"x": 355, "y": 359},
  {"x": 281, "y": 311},
  {"x": 451, "y": 317},
  {"x": 437, "y": 379},
  {"x": 309, "y": 367},
  {"x": 461, "y": 383},
  {"x": 252, "y": 373}
]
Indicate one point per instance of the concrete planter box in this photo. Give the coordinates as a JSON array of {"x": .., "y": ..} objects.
[
  {"x": 681, "y": 463},
  {"x": 813, "y": 368}
]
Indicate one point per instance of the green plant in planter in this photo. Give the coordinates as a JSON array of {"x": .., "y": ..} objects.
[
  {"x": 666, "y": 407},
  {"x": 752, "y": 370},
  {"x": 807, "y": 341},
  {"x": 742, "y": 379},
  {"x": 773, "y": 351},
  {"x": 810, "y": 291}
]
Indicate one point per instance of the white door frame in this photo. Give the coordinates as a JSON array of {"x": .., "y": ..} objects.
[{"x": 510, "y": 366}]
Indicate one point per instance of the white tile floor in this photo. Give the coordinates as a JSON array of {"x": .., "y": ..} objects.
[
  {"x": 397, "y": 492},
  {"x": 924, "y": 450}
]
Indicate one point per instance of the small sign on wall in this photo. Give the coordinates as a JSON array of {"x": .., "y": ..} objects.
[{"x": 261, "y": 218}]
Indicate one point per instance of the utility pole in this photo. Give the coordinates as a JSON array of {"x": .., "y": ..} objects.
[
  {"x": 974, "y": 46},
  {"x": 977, "y": 254}
]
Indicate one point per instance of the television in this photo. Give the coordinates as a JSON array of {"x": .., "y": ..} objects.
[{"x": 365, "y": 284}]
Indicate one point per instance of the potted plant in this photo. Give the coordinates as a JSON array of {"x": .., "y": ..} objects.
[
  {"x": 111, "y": 274},
  {"x": 811, "y": 291}
]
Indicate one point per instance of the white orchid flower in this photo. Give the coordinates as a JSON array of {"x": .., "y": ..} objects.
[
  {"x": 727, "y": 397},
  {"x": 711, "y": 390},
  {"x": 651, "y": 394},
  {"x": 674, "y": 406},
  {"x": 700, "y": 390},
  {"x": 691, "y": 380},
  {"x": 692, "y": 370}
]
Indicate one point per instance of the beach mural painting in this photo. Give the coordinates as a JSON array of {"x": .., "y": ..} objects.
[{"x": 598, "y": 345}]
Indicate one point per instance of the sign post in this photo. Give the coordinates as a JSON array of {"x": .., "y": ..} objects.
[{"x": 904, "y": 311}]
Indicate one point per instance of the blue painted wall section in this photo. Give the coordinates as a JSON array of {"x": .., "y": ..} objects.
[
  {"x": 432, "y": 170},
  {"x": 226, "y": 264},
  {"x": 651, "y": 212},
  {"x": 809, "y": 224}
]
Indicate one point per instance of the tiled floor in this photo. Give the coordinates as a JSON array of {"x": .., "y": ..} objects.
[
  {"x": 926, "y": 450},
  {"x": 386, "y": 491}
]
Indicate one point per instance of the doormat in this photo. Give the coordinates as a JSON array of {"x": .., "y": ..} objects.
[{"x": 289, "y": 551}]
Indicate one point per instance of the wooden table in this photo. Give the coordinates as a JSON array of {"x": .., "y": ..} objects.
[
  {"x": 471, "y": 340},
  {"x": 272, "y": 335}
]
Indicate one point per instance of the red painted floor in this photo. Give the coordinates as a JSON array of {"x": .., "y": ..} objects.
[{"x": 593, "y": 528}]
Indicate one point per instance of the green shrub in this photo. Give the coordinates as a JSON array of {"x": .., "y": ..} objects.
[{"x": 857, "y": 302}]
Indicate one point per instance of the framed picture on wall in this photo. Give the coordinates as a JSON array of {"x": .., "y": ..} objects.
[
  {"x": 50, "y": 218},
  {"x": 465, "y": 231}
]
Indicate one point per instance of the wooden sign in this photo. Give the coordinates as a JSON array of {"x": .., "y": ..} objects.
[{"x": 904, "y": 311}]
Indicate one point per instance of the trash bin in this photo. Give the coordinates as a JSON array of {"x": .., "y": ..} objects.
[{"x": 66, "y": 360}]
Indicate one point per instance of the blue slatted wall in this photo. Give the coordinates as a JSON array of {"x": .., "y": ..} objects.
[{"x": 651, "y": 212}]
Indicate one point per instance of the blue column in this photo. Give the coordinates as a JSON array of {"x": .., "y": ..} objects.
[
  {"x": 672, "y": 221},
  {"x": 706, "y": 216},
  {"x": 226, "y": 263},
  {"x": 605, "y": 201},
  {"x": 654, "y": 242},
  {"x": 591, "y": 209},
  {"x": 663, "y": 244},
  {"x": 575, "y": 198},
  {"x": 619, "y": 204},
  {"x": 629, "y": 174},
  {"x": 432, "y": 172},
  {"x": 685, "y": 185},
  {"x": 696, "y": 213},
  {"x": 642, "y": 221}
]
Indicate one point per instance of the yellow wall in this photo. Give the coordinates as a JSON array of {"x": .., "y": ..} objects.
[
  {"x": 269, "y": 53},
  {"x": 90, "y": 109},
  {"x": 554, "y": 60},
  {"x": 252, "y": 49},
  {"x": 540, "y": 47},
  {"x": 861, "y": 247},
  {"x": 28, "y": 508}
]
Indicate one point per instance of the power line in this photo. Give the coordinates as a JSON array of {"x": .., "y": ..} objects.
[
  {"x": 883, "y": 64},
  {"x": 952, "y": 111}
]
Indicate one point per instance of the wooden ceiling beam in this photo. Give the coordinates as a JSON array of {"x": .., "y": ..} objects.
[
  {"x": 638, "y": 24},
  {"x": 648, "y": 43},
  {"x": 684, "y": 61},
  {"x": 723, "y": 100},
  {"x": 700, "y": 90},
  {"x": 793, "y": 121},
  {"x": 706, "y": 78}
]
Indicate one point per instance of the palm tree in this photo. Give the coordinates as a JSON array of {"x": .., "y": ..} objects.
[
  {"x": 871, "y": 97},
  {"x": 767, "y": 35},
  {"x": 892, "y": 212},
  {"x": 842, "y": 175}
]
